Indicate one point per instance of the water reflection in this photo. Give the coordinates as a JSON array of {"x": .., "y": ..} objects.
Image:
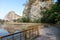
[
  {"x": 18, "y": 36},
  {"x": 3, "y": 32}
]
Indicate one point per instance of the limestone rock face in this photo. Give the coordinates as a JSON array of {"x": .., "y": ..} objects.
[
  {"x": 33, "y": 10},
  {"x": 12, "y": 16},
  {"x": 36, "y": 9}
]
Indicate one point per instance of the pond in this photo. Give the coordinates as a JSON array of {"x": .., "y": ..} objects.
[{"x": 3, "y": 32}]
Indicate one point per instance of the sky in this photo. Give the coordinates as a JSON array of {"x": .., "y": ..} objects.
[
  {"x": 54, "y": 0},
  {"x": 12, "y": 5}
]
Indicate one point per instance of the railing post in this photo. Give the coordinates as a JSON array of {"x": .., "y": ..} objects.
[
  {"x": 0, "y": 38},
  {"x": 37, "y": 29},
  {"x": 25, "y": 35},
  {"x": 29, "y": 35},
  {"x": 20, "y": 36},
  {"x": 13, "y": 37},
  {"x": 32, "y": 33}
]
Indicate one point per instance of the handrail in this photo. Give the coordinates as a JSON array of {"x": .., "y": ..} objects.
[
  {"x": 29, "y": 32},
  {"x": 13, "y": 33}
]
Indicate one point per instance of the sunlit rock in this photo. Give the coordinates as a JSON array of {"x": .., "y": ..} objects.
[
  {"x": 12, "y": 16},
  {"x": 33, "y": 8}
]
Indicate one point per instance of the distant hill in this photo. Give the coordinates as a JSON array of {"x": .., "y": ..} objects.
[{"x": 12, "y": 16}]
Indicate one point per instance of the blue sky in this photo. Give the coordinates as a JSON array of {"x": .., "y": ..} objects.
[
  {"x": 11, "y": 5},
  {"x": 54, "y": 0}
]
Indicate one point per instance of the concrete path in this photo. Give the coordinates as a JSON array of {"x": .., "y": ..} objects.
[{"x": 51, "y": 33}]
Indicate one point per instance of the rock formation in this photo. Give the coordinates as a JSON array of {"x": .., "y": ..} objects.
[
  {"x": 34, "y": 7},
  {"x": 12, "y": 16}
]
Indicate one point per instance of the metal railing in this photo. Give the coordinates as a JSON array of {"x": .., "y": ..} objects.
[{"x": 28, "y": 34}]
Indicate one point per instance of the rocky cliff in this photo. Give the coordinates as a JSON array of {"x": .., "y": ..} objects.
[
  {"x": 12, "y": 16},
  {"x": 33, "y": 8}
]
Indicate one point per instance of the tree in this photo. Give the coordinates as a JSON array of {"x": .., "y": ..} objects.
[
  {"x": 51, "y": 15},
  {"x": 2, "y": 21},
  {"x": 24, "y": 19},
  {"x": 58, "y": 1},
  {"x": 38, "y": 20}
]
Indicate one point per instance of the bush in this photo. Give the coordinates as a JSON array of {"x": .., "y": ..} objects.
[
  {"x": 52, "y": 15},
  {"x": 2, "y": 21},
  {"x": 14, "y": 20},
  {"x": 58, "y": 23},
  {"x": 24, "y": 19},
  {"x": 37, "y": 20}
]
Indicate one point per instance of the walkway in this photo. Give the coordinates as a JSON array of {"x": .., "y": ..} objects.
[{"x": 51, "y": 33}]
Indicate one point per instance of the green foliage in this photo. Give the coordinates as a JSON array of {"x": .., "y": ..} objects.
[
  {"x": 14, "y": 20},
  {"x": 6, "y": 20},
  {"x": 52, "y": 15},
  {"x": 31, "y": 1},
  {"x": 24, "y": 19},
  {"x": 2, "y": 21},
  {"x": 19, "y": 20},
  {"x": 37, "y": 20},
  {"x": 58, "y": 1},
  {"x": 58, "y": 23}
]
